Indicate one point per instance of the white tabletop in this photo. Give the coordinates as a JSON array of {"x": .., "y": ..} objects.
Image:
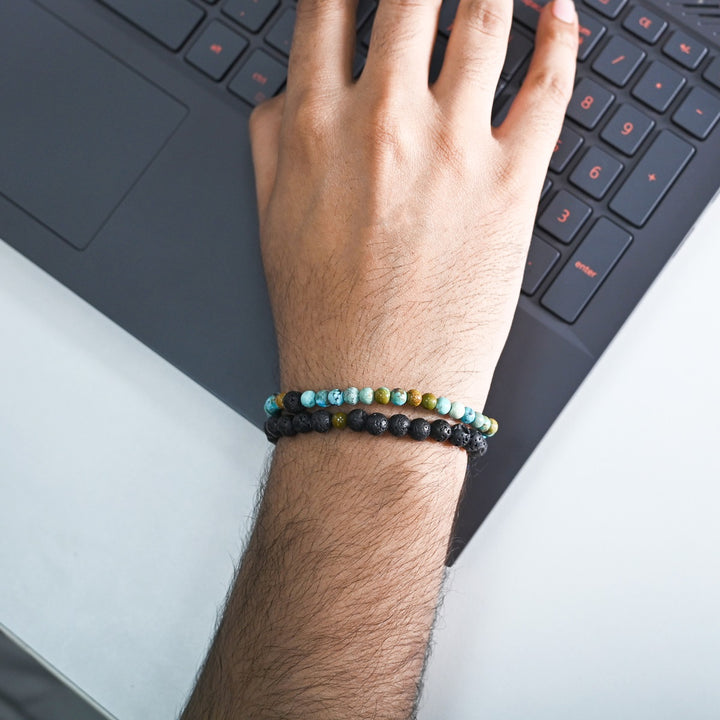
[{"x": 591, "y": 591}]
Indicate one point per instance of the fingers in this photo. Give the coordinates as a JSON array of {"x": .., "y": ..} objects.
[
  {"x": 533, "y": 124},
  {"x": 401, "y": 45},
  {"x": 322, "y": 47},
  {"x": 474, "y": 58},
  {"x": 264, "y": 126}
]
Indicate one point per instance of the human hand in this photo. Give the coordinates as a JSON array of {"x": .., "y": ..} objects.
[{"x": 394, "y": 220}]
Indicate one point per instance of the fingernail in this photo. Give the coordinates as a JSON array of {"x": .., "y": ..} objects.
[{"x": 564, "y": 10}]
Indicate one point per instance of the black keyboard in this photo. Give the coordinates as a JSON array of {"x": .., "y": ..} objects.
[{"x": 645, "y": 100}]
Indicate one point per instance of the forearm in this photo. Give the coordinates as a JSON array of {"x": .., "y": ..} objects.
[{"x": 333, "y": 604}]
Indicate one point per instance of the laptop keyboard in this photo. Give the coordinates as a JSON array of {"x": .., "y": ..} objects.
[{"x": 645, "y": 100}]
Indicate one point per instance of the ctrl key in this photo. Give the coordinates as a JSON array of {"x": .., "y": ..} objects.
[
  {"x": 259, "y": 78},
  {"x": 589, "y": 265}
]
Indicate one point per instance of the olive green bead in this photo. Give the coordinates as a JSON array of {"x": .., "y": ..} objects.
[
  {"x": 339, "y": 420},
  {"x": 382, "y": 395},
  {"x": 414, "y": 397},
  {"x": 493, "y": 427},
  {"x": 429, "y": 401}
]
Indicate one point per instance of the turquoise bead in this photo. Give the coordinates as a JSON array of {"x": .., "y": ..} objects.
[
  {"x": 398, "y": 397},
  {"x": 478, "y": 421},
  {"x": 351, "y": 395},
  {"x": 271, "y": 406},
  {"x": 321, "y": 398},
  {"x": 443, "y": 406},
  {"x": 307, "y": 399},
  {"x": 457, "y": 410},
  {"x": 335, "y": 397},
  {"x": 366, "y": 396},
  {"x": 486, "y": 424},
  {"x": 469, "y": 415}
]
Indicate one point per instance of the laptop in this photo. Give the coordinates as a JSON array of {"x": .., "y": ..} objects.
[{"x": 125, "y": 172}]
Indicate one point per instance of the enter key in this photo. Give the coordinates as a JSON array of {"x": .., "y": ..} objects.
[{"x": 589, "y": 265}]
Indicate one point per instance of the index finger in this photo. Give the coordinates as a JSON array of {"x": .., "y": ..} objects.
[{"x": 533, "y": 124}]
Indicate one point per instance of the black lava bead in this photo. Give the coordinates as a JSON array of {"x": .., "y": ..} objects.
[
  {"x": 376, "y": 424},
  {"x": 271, "y": 429},
  {"x": 477, "y": 445},
  {"x": 398, "y": 425},
  {"x": 419, "y": 429},
  {"x": 291, "y": 402},
  {"x": 440, "y": 430},
  {"x": 356, "y": 419},
  {"x": 285, "y": 426},
  {"x": 302, "y": 422},
  {"x": 321, "y": 421},
  {"x": 460, "y": 435}
]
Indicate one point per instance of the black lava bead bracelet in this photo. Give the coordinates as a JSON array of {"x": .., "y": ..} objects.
[{"x": 458, "y": 434}]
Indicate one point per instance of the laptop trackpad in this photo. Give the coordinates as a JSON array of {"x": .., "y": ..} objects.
[{"x": 77, "y": 127}]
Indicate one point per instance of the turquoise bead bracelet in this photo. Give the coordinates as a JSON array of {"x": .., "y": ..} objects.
[{"x": 294, "y": 402}]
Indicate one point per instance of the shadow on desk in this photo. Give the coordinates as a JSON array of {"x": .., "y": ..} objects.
[{"x": 29, "y": 691}]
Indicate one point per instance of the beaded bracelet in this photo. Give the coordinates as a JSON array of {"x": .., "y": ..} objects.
[
  {"x": 460, "y": 435},
  {"x": 295, "y": 401}
]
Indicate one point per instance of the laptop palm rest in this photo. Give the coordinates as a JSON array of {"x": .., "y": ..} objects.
[{"x": 77, "y": 126}]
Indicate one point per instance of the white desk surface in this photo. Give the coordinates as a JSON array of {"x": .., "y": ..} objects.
[{"x": 592, "y": 591}]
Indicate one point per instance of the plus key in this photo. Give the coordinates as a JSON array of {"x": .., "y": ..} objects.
[{"x": 652, "y": 178}]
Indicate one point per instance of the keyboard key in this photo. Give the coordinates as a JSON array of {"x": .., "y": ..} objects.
[
  {"x": 447, "y": 16},
  {"x": 500, "y": 110},
  {"x": 280, "y": 35},
  {"x": 251, "y": 14},
  {"x": 519, "y": 48},
  {"x": 540, "y": 261},
  {"x": 365, "y": 34},
  {"x": 564, "y": 216},
  {"x": 712, "y": 72},
  {"x": 589, "y": 265},
  {"x": 567, "y": 145},
  {"x": 645, "y": 25},
  {"x": 627, "y": 129},
  {"x": 618, "y": 61},
  {"x": 589, "y": 32},
  {"x": 652, "y": 178},
  {"x": 608, "y": 8},
  {"x": 365, "y": 9},
  {"x": 684, "y": 50},
  {"x": 658, "y": 87},
  {"x": 589, "y": 103},
  {"x": 698, "y": 113},
  {"x": 596, "y": 172},
  {"x": 216, "y": 50},
  {"x": 170, "y": 22},
  {"x": 546, "y": 188},
  {"x": 358, "y": 64},
  {"x": 259, "y": 78},
  {"x": 436, "y": 60},
  {"x": 528, "y": 11}
]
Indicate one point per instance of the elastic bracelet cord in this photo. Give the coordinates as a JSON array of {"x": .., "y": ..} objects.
[
  {"x": 296, "y": 401},
  {"x": 460, "y": 435}
]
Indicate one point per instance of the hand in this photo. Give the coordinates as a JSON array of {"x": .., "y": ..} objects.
[{"x": 395, "y": 221}]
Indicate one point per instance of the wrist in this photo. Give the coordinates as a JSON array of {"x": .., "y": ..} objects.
[{"x": 385, "y": 465}]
